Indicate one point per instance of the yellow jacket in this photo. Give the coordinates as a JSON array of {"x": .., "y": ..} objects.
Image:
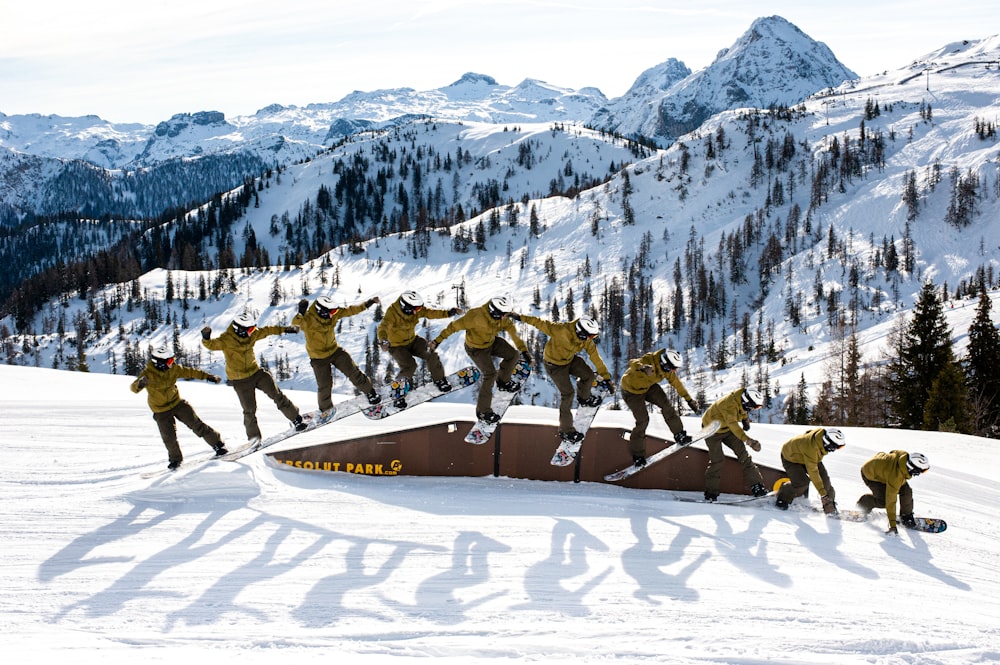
[
  {"x": 481, "y": 329},
  {"x": 161, "y": 389},
  {"x": 807, "y": 449},
  {"x": 889, "y": 468},
  {"x": 400, "y": 328},
  {"x": 563, "y": 344},
  {"x": 730, "y": 413},
  {"x": 321, "y": 338},
  {"x": 637, "y": 381},
  {"x": 240, "y": 359}
]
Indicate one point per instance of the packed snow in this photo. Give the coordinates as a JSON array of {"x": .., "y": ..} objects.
[{"x": 247, "y": 561}]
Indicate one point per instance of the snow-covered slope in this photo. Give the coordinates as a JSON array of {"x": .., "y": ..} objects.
[{"x": 242, "y": 562}]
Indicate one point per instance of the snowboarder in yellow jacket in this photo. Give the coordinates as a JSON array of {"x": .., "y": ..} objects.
[
  {"x": 159, "y": 379},
  {"x": 562, "y": 362},
  {"x": 802, "y": 456},
  {"x": 318, "y": 322},
  {"x": 731, "y": 412},
  {"x": 482, "y": 326},
  {"x": 397, "y": 333},
  {"x": 886, "y": 475},
  {"x": 641, "y": 384},
  {"x": 245, "y": 375}
]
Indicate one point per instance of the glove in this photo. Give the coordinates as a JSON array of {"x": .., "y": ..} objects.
[
  {"x": 291, "y": 330},
  {"x": 746, "y": 424},
  {"x": 432, "y": 345},
  {"x": 755, "y": 444},
  {"x": 143, "y": 381},
  {"x": 526, "y": 357},
  {"x": 607, "y": 385},
  {"x": 371, "y": 301},
  {"x": 303, "y": 306},
  {"x": 829, "y": 505},
  {"x": 214, "y": 379},
  {"x": 206, "y": 332},
  {"x": 515, "y": 316},
  {"x": 453, "y": 311},
  {"x": 693, "y": 405},
  {"x": 892, "y": 531}
]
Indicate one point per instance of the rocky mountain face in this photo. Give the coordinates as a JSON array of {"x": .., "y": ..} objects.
[{"x": 772, "y": 64}]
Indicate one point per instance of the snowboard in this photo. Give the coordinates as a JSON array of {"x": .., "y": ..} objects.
[
  {"x": 924, "y": 524},
  {"x": 481, "y": 431},
  {"x": 739, "y": 499},
  {"x": 567, "y": 451},
  {"x": 188, "y": 463},
  {"x": 927, "y": 525},
  {"x": 631, "y": 470},
  {"x": 463, "y": 378}
]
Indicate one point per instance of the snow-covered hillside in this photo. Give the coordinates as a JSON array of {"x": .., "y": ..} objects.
[
  {"x": 243, "y": 562},
  {"x": 688, "y": 205}
]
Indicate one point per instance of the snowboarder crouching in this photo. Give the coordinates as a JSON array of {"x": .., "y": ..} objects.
[
  {"x": 802, "y": 456},
  {"x": 886, "y": 475},
  {"x": 641, "y": 384},
  {"x": 731, "y": 412}
]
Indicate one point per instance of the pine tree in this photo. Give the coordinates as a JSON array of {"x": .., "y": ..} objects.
[
  {"x": 947, "y": 408},
  {"x": 922, "y": 351},
  {"x": 982, "y": 370}
]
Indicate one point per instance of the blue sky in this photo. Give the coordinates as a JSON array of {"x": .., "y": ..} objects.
[{"x": 130, "y": 61}]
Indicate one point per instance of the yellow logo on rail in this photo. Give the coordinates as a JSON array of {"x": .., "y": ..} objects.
[{"x": 394, "y": 468}]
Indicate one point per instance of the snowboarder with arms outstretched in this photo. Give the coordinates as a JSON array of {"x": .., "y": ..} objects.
[
  {"x": 886, "y": 475},
  {"x": 159, "y": 379},
  {"x": 397, "y": 334},
  {"x": 562, "y": 362},
  {"x": 641, "y": 384},
  {"x": 802, "y": 456},
  {"x": 245, "y": 375},
  {"x": 731, "y": 412},
  {"x": 482, "y": 326},
  {"x": 318, "y": 321}
]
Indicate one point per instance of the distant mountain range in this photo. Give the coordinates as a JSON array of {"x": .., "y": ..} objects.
[{"x": 773, "y": 63}]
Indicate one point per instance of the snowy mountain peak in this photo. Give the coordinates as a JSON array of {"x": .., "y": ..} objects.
[
  {"x": 181, "y": 121},
  {"x": 771, "y": 63},
  {"x": 662, "y": 76},
  {"x": 471, "y": 78}
]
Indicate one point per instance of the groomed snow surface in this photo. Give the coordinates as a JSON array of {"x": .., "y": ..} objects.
[{"x": 252, "y": 563}]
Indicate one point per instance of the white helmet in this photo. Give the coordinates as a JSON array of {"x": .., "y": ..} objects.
[
  {"x": 500, "y": 306},
  {"x": 752, "y": 399},
  {"x": 244, "y": 324},
  {"x": 410, "y": 301},
  {"x": 162, "y": 357},
  {"x": 325, "y": 306},
  {"x": 833, "y": 439},
  {"x": 587, "y": 328},
  {"x": 670, "y": 360},
  {"x": 917, "y": 463}
]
